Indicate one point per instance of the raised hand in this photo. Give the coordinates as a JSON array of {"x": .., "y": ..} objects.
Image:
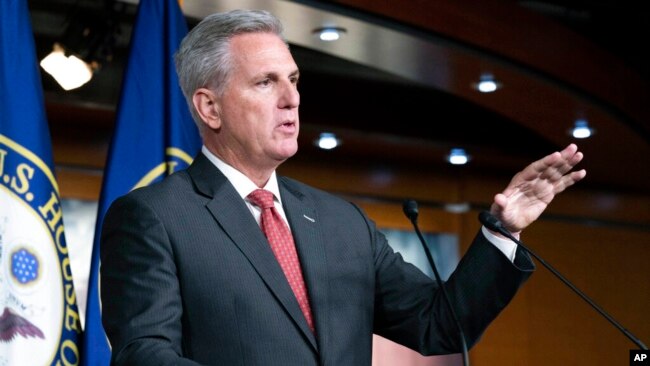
[{"x": 533, "y": 188}]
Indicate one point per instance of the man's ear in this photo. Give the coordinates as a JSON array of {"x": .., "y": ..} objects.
[{"x": 207, "y": 107}]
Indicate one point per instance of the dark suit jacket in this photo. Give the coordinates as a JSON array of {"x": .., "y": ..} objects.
[{"x": 187, "y": 277}]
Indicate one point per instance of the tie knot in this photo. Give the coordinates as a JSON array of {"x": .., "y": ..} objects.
[{"x": 261, "y": 198}]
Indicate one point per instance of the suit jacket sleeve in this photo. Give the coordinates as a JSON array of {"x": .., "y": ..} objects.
[
  {"x": 139, "y": 283},
  {"x": 410, "y": 309}
]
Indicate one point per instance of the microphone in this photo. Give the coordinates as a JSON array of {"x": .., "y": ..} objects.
[
  {"x": 410, "y": 208},
  {"x": 491, "y": 222},
  {"x": 494, "y": 224}
]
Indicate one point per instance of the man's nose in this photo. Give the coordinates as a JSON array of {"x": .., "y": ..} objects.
[{"x": 289, "y": 97}]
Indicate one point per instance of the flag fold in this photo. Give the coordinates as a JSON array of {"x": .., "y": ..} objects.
[
  {"x": 154, "y": 136},
  {"x": 39, "y": 319}
]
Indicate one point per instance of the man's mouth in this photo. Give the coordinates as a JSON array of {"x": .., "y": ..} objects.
[{"x": 287, "y": 124}]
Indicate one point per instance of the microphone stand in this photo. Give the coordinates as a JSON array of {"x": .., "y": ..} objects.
[
  {"x": 494, "y": 224},
  {"x": 411, "y": 211}
]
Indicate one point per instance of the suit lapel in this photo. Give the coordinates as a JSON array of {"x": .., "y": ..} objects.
[
  {"x": 304, "y": 221},
  {"x": 230, "y": 211}
]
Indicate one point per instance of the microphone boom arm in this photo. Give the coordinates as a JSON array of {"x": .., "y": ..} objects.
[
  {"x": 494, "y": 224},
  {"x": 411, "y": 211}
]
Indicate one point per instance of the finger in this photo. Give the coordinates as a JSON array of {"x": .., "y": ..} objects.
[
  {"x": 576, "y": 158},
  {"x": 537, "y": 168},
  {"x": 551, "y": 166},
  {"x": 569, "y": 151},
  {"x": 569, "y": 180},
  {"x": 568, "y": 159},
  {"x": 554, "y": 160},
  {"x": 500, "y": 201}
]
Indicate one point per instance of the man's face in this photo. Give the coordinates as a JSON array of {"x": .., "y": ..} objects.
[{"x": 259, "y": 106}]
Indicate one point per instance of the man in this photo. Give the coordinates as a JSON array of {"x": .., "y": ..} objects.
[{"x": 189, "y": 276}]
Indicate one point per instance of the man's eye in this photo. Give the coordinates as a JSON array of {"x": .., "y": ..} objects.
[{"x": 265, "y": 82}]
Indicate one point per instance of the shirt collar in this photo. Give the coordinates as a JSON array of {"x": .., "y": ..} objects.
[{"x": 243, "y": 185}]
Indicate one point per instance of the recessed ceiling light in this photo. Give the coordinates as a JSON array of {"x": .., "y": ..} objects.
[
  {"x": 581, "y": 129},
  {"x": 329, "y": 34},
  {"x": 327, "y": 141},
  {"x": 487, "y": 84},
  {"x": 458, "y": 156}
]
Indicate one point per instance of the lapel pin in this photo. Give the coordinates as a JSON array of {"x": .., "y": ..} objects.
[{"x": 308, "y": 218}]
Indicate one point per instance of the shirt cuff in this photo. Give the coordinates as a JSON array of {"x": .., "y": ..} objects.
[{"x": 506, "y": 246}]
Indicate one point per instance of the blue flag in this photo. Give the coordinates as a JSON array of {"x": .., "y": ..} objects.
[
  {"x": 154, "y": 135},
  {"x": 39, "y": 321}
]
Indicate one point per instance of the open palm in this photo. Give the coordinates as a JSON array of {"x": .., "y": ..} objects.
[{"x": 532, "y": 189}]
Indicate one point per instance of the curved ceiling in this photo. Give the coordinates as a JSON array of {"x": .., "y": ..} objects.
[{"x": 398, "y": 85}]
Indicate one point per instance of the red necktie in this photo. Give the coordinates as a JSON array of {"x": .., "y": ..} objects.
[{"x": 279, "y": 237}]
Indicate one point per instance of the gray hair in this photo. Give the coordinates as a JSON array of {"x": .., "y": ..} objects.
[{"x": 203, "y": 58}]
